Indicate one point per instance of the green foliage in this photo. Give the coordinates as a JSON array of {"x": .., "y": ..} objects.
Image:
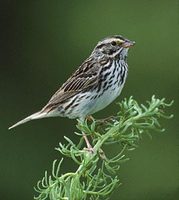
[{"x": 96, "y": 176}]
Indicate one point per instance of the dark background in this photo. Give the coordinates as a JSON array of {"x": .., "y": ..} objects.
[{"x": 42, "y": 43}]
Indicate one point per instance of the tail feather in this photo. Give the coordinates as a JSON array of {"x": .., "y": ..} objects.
[{"x": 36, "y": 115}]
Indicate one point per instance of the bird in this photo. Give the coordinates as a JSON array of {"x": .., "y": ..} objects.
[{"x": 96, "y": 83}]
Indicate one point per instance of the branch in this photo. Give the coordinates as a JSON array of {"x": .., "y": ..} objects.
[{"x": 96, "y": 175}]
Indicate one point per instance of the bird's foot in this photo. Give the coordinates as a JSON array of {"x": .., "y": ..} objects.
[
  {"x": 106, "y": 120},
  {"x": 89, "y": 149},
  {"x": 102, "y": 154},
  {"x": 90, "y": 118}
]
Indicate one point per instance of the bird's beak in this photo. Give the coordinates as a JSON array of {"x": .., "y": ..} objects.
[{"x": 128, "y": 44}]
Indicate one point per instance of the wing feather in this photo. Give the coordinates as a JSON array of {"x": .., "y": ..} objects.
[{"x": 85, "y": 76}]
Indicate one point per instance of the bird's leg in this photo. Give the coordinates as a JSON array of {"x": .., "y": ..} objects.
[
  {"x": 91, "y": 119},
  {"x": 89, "y": 147},
  {"x": 87, "y": 141}
]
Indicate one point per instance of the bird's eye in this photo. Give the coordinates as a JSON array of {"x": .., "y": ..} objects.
[{"x": 113, "y": 43}]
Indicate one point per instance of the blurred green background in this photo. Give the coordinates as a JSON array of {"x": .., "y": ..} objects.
[{"x": 42, "y": 43}]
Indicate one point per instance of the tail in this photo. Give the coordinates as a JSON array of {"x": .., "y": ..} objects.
[{"x": 37, "y": 115}]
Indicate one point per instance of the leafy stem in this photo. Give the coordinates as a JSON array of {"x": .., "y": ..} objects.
[{"x": 97, "y": 174}]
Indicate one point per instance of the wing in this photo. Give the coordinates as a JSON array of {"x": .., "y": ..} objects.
[{"x": 85, "y": 77}]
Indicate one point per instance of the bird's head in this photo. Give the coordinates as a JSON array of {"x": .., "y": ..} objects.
[{"x": 114, "y": 46}]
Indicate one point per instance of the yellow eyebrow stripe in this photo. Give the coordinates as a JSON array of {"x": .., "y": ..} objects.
[{"x": 119, "y": 41}]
